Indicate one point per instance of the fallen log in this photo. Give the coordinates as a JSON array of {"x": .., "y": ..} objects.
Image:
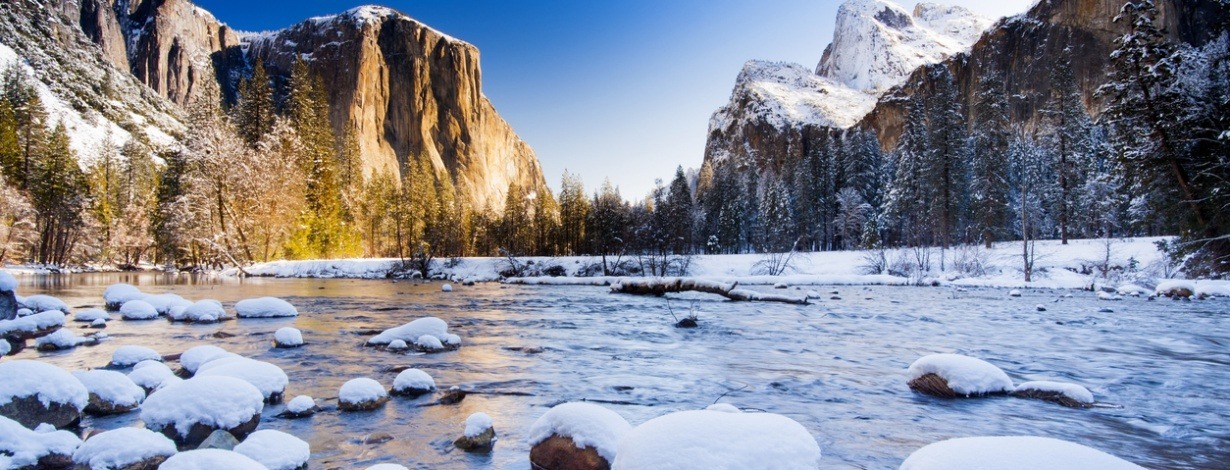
[{"x": 662, "y": 286}]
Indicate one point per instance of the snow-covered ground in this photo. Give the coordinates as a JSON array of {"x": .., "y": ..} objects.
[{"x": 1057, "y": 266}]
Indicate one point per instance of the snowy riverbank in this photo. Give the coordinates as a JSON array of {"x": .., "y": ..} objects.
[{"x": 1073, "y": 266}]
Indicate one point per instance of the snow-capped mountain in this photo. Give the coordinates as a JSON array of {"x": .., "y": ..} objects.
[{"x": 877, "y": 43}]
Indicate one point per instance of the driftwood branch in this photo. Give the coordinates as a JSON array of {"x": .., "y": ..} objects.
[{"x": 662, "y": 286}]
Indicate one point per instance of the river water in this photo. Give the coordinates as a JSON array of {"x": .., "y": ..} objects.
[{"x": 1161, "y": 369}]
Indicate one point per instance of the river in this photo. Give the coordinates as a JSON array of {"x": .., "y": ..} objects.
[{"x": 1160, "y": 369}]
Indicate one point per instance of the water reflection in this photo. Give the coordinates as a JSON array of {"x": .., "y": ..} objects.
[{"x": 837, "y": 367}]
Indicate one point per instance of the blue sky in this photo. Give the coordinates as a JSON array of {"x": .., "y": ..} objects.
[{"x": 620, "y": 89}]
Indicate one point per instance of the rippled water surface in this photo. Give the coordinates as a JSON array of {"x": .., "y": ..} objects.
[{"x": 838, "y": 367}]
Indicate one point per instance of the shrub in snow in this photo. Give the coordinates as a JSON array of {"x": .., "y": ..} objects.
[
  {"x": 210, "y": 459},
  {"x": 190, "y": 410},
  {"x": 716, "y": 439},
  {"x": 479, "y": 435},
  {"x": 265, "y": 307},
  {"x": 266, "y": 377},
  {"x": 412, "y": 383},
  {"x": 414, "y": 332},
  {"x": 60, "y": 340},
  {"x": 110, "y": 392},
  {"x": 300, "y": 407},
  {"x": 954, "y": 375},
  {"x": 117, "y": 294},
  {"x": 24, "y": 448},
  {"x": 287, "y": 337},
  {"x": 276, "y": 450},
  {"x": 1066, "y": 394},
  {"x": 576, "y": 435},
  {"x": 138, "y": 310},
  {"x": 44, "y": 303},
  {"x": 192, "y": 359},
  {"x": 124, "y": 448},
  {"x": 32, "y": 326},
  {"x": 89, "y": 315},
  {"x": 204, "y": 311},
  {"x": 34, "y": 392},
  {"x": 1014, "y": 452},
  {"x": 150, "y": 374},
  {"x": 127, "y": 356},
  {"x": 361, "y": 394},
  {"x": 1176, "y": 288}
]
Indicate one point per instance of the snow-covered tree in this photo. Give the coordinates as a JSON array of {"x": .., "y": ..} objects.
[
  {"x": 988, "y": 159},
  {"x": 1067, "y": 132}
]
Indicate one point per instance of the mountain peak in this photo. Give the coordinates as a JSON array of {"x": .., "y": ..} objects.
[{"x": 876, "y": 43}]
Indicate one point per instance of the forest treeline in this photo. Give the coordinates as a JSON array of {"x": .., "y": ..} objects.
[{"x": 266, "y": 177}]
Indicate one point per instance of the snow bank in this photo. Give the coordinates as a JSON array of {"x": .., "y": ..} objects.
[
  {"x": 413, "y": 381},
  {"x": 32, "y": 323},
  {"x": 44, "y": 303},
  {"x": 120, "y": 448},
  {"x": 412, "y": 332},
  {"x": 287, "y": 337},
  {"x": 266, "y": 377},
  {"x": 61, "y": 339},
  {"x": 965, "y": 375},
  {"x": 90, "y": 315},
  {"x": 25, "y": 447},
  {"x": 210, "y": 459},
  {"x": 1012, "y": 453},
  {"x": 275, "y": 449},
  {"x": 138, "y": 310},
  {"x": 51, "y": 384},
  {"x": 218, "y": 402},
  {"x": 127, "y": 356},
  {"x": 1213, "y": 288},
  {"x": 588, "y": 425},
  {"x": 195, "y": 356},
  {"x": 1072, "y": 391},
  {"x": 117, "y": 294},
  {"x": 111, "y": 387},
  {"x": 150, "y": 375},
  {"x": 477, "y": 424},
  {"x": 715, "y": 439},
  {"x": 361, "y": 390},
  {"x": 265, "y": 307}
]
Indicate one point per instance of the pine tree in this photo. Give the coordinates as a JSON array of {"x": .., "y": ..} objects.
[
  {"x": 907, "y": 199},
  {"x": 58, "y": 192},
  {"x": 607, "y": 220},
  {"x": 943, "y": 159},
  {"x": 573, "y": 211},
  {"x": 30, "y": 118},
  {"x": 10, "y": 147},
  {"x": 678, "y": 211},
  {"x": 776, "y": 216},
  {"x": 988, "y": 162},
  {"x": 1068, "y": 129},
  {"x": 254, "y": 113},
  {"x": 1029, "y": 179}
]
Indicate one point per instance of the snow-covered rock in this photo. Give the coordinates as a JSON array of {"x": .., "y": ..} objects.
[
  {"x": 387, "y": 466},
  {"x": 301, "y": 406},
  {"x": 266, "y": 377},
  {"x": 110, "y": 392},
  {"x": 275, "y": 450},
  {"x": 204, "y": 311},
  {"x": 34, "y": 392},
  {"x": 194, "y": 357},
  {"x": 413, "y": 382},
  {"x": 265, "y": 307},
  {"x": 398, "y": 345},
  {"x": 61, "y": 339},
  {"x": 1014, "y": 293},
  {"x": 1108, "y": 296},
  {"x": 415, "y": 332},
  {"x": 446, "y": 288},
  {"x": 32, "y": 326},
  {"x": 124, "y": 448},
  {"x": 163, "y": 303},
  {"x": 287, "y": 337},
  {"x": 1176, "y": 288},
  {"x": 716, "y": 439},
  {"x": 1132, "y": 289},
  {"x": 1066, "y": 394},
  {"x": 361, "y": 394},
  {"x": 954, "y": 375},
  {"x": 138, "y": 310},
  {"x": 90, "y": 315},
  {"x": 479, "y": 433},
  {"x": 573, "y": 432},
  {"x": 149, "y": 375},
  {"x": 128, "y": 356},
  {"x": 8, "y": 283},
  {"x": 116, "y": 294},
  {"x": 190, "y": 410},
  {"x": 44, "y": 303},
  {"x": 1012, "y": 453},
  {"x": 24, "y": 448},
  {"x": 210, "y": 459}
]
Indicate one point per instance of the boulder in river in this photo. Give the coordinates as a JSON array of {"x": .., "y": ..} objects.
[
  {"x": 479, "y": 434},
  {"x": 954, "y": 375},
  {"x": 576, "y": 436},
  {"x": 191, "y": 410},
  {"x": 34, "y": 392},
  {"x": 361, "y": 394},
  {"x": 110, "y": 392},
  {"x": 123, "y": 448}
]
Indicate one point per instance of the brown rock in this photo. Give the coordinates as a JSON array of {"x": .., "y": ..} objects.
[
  {"x": 480, "y": 443},
  {"x": 98, "y": 406},
  {"x": 199, "y": 432},
  {"x": 151, "y": 463},
  {"x": 368, "y": 405},
  {"x": 29, "y": 411},
  {"x": 1053, "y": 397},
  {"x": 934, "y": 385},
  {"x": 561, "y": 453}
]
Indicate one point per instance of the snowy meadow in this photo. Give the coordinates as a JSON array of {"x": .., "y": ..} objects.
[{"x": 838, "y": 367}]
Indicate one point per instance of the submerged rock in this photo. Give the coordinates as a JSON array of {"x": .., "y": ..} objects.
[
  {"x": 219, "y": 440},
  {"x": 1066, "y": 394}
]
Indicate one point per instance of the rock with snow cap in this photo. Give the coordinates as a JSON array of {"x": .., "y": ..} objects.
[
  {"x": 123, "y": 449},
  {"x": 361, "y": 394},
  {"x": 189, "y": 411},
  {"x": 128, "y": 356},
  {"x": 34, "y": 392},
  {"x": 576, "y": 436},
  {"x": 138, "y": 310},
  {"x": 479, "y": 435},
  {"x": 954, "y": 375},
  {"x": 413, "y": 383},
  {"x": 288, "y": 337},
  {"x": 116, "y": 294},
  {"x": 265, "y": 307},
  {"x": 276, "y": 450},
  {"x": 718, "y": 439},
  {"x": 110, "y": 392},
  {"x": 1066, "y": 394},
  {"x": 22, "y": 448},
  {"x": 1011, "y": 453},
  {"x": 207, "y": 459}
]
